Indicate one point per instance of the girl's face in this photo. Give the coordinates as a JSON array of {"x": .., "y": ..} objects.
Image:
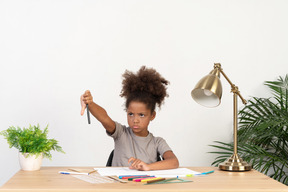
[{"x": 139, "y": 117}]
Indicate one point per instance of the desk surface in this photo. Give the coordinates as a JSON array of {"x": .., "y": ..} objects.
[{"x": 48, "y": 179}]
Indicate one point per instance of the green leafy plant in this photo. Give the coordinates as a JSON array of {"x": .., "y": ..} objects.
[
  {"x": 31, "y": 140},
  {"x": 263, "y": 133}
]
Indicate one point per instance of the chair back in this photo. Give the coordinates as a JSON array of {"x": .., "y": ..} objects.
[{"x": 110, "y": 158}]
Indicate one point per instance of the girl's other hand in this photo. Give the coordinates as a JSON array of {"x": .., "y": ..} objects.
[
  {"x": 138, "y": 164},
  {"x": 86, "y": 98}
]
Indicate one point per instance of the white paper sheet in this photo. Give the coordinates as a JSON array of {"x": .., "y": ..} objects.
[{"x": 117, "y": 171}]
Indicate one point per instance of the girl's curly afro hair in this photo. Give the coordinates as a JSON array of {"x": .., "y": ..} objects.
[{"x": 146, "y": 86}]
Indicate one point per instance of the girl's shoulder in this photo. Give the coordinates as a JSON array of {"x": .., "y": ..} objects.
[
  {"x": 120, "y": 129},
  {"x": 157, "y": 139}
]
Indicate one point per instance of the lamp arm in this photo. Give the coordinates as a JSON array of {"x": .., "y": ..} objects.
[
  {"x": 234, "y": 88},
  {"x": 235, "y": 162}
]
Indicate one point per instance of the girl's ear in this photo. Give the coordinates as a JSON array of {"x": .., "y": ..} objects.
[{"x": 153, "y": 115}]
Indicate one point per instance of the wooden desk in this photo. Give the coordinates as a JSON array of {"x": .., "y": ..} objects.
[{"x": 48, "y": 179}]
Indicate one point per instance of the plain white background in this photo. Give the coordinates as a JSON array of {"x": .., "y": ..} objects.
[{"x": 52, "y": 51}]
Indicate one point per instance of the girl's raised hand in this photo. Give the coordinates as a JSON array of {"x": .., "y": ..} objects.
[
  {"x": 138, "y": 164},
  {"x": 86, "y": 98}
]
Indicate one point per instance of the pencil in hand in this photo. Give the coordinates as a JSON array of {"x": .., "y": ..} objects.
[{"x": 88, "y": 114}]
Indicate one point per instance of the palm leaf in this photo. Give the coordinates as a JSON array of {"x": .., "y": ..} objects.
[{"x": 263, "y": 133}]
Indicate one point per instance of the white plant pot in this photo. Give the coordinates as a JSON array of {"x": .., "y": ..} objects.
[{"x": 30, "y": 163}]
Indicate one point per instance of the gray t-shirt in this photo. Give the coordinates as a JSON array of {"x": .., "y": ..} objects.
[{"x": 127, "y": 145}]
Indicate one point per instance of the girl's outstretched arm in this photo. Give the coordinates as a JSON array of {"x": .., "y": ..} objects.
[{"x": 97, "y": 111}]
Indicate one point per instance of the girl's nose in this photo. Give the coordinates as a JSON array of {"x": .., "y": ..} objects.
[{"x": 136, "y": 120}]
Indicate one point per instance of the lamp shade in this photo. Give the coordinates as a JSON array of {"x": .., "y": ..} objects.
[{"x": 208, "y": 91}]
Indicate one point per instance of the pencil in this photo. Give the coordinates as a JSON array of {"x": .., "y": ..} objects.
[
  {"x": 126, "y": 176},
  {"x": 153, "y": 179},
  {"x": 88, "y": 114},
  {"x": 140, "y": 179},
  {"x": 156, "y": 180},
  {"x": 144, "y": 177}
]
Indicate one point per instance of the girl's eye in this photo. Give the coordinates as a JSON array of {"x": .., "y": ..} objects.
[
  {"x": 130, "y": 114},
  {"x": 142, "y": 115}
]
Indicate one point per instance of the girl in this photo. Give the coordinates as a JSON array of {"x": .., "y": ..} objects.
[{"x": 134, "y": 144}]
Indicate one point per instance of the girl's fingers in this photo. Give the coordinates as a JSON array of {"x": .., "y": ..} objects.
[
  {"x": 86, "y": 98},
  {"x": 83, "y": 105},
  {"x": 131, "y": 159},
  {"x": 135, "y": 163},
  {"x": 83, "y": 109}
]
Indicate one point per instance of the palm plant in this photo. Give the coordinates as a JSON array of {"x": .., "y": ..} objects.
[{"x": 262, "y": 133}]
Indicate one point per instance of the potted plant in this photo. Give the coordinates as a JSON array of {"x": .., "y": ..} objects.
[
  {"x": 33, "y": 145},
  {"x": 263, "y": 133}
]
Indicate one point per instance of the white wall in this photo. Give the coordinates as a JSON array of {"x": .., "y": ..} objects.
[{"x": 52, "y": 51}]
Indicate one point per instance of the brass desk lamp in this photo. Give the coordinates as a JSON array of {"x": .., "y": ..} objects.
[{"x": 208, "y": 92}]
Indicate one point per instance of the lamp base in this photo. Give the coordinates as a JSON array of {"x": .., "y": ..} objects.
[{"x": 235, "y": 163}]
